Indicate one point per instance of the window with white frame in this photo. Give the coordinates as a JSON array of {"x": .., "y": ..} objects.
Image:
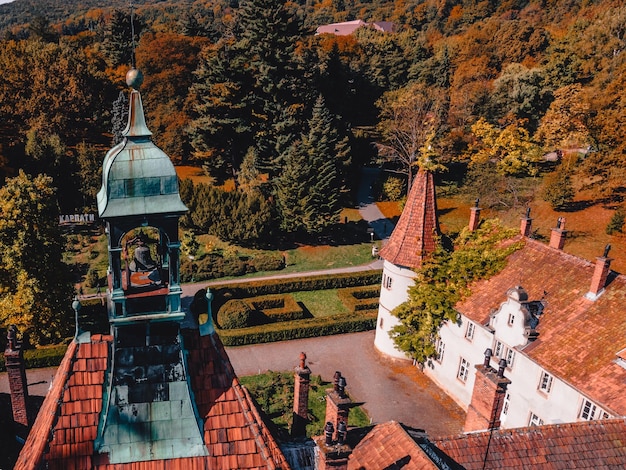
[
  {"x": 510, "y": 357},
  {"x": 589, "y": 411},
  {"x": 387, "y": 281},
  {"x": 463, "y": 370},
  {"x": 534, "y": 420},
  {"x": 511, "y": 319},
  {"x": 380, "y": 324},
  {"x": 505, "y": 405},
  {"x": 498, "y": 349},
  {"x": 469, "y": 332},
  {"x": 545, "y": 382},
  {"x": 441, "y": 347}
]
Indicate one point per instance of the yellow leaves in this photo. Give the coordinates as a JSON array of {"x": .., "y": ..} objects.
[{"x": 510, "y": 148}]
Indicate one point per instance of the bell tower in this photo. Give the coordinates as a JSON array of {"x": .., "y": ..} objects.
[
  {"x": 148, "y": 411},
  {"x": 140, "y": 203}
]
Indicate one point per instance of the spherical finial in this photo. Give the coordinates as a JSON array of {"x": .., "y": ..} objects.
[{"x": 134, "y": 78}]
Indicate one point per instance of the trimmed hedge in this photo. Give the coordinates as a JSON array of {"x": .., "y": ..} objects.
[
  {"x": 235, "y": 314},
  {"x": 240, "y": 290},
  {"x": 278, "y": 308},
  {"x": 43, "y": 357},
  {"x": 360, "y": 298},
  {"x": 363, "y": 317},
  {"x": 313, "y": 327}
]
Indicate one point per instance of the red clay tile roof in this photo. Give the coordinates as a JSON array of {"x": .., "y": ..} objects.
[
  {"x": 414, "y": 236},
  {"x": 64, "y": 432},
  {"x": 390, "y": 444},
  {"x": 592, "y": 444},
  {"x": 571, "y": 326}
]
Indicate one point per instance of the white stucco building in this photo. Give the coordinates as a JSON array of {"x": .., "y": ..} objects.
[{"x": 557, "y": 321}]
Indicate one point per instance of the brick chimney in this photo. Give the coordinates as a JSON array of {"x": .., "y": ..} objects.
[
  {"x": 487, "y": 397},
  {"x": 557, "y": 237},
  {"x": 474, "y": 217},
  {"x": 301, "y": 398},
  {"x": 333, "y": 449},
  {"x": 600, "y": 275},
  {"x": 16, "y": 371},
  {"x": 526, "y": 224}
]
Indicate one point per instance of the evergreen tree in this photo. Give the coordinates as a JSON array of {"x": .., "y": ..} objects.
[
  {"x": 34, "y": 281},
  {"x": 250, "y": 90},
  {"x": 221, "y": 131},
  {"x": 119, "y": 118},
  {"x": 308, "y": 191},
  {"x": 292, "y": 189},
  {"x": 248, "y": 177},
  {"x": 89, "y": 162},
  {"x": 118, "y": 41}
]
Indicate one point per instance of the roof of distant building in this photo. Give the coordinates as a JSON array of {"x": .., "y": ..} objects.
[
  {"x": 590, "y": 444},
  {"x": 346, "y": 28},
  {"x": 415, "y": 235},
  {"x": 64, "y": 433},
  {"x": 579, "y": 339}
]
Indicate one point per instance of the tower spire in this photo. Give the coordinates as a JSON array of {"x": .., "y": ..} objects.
[{"x": 415, "y": 235}]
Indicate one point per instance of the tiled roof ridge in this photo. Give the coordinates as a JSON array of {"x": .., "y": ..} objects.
[
  {"x": 544, "y": 428},
  {"x": 48, "y": 414}
]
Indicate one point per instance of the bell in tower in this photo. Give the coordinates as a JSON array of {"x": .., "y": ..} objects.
[{"x": 140, "y": 204}]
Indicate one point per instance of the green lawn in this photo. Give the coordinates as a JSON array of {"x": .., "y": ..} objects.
[
  {"x": 273, "y": 391},
  {"x": 321, "y": 303}
]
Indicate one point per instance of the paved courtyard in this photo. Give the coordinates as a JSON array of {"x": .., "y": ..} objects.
[{"x": 388, "y": 389}]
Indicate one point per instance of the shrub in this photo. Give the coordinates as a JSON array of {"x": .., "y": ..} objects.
[
  {"x": 558, "y": 189},
  {"x": 616, "y": 224},
  {"x": 268, "y": 262},
  {"x": 391, "y": 188},
  {"x": 235, "y": 314},
  {"x": 92, "y": 279}
]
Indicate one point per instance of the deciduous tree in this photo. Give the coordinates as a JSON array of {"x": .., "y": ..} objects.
[
  {"x": 34, "y": 281},
  {"x": 409, "y": 121}
]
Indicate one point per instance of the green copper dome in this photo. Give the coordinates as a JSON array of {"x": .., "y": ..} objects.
[{"x": 138, "y": 178}]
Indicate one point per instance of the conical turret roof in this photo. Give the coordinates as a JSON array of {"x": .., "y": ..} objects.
[
  {"x": 138, "y": 178},
  {"x": 414, "y": 237}
]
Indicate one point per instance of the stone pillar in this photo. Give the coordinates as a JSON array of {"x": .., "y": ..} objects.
[
  {"x": 487, "y": 398},
  {"x": 474, "y": 217},
  {"x": 16, "y": 371},
  {"x": 557, "y": 237},
  {"x": 301, "y": 398}
]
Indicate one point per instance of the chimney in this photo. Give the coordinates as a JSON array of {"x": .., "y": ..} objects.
[
  {"x": 526, "y": 224},
  {"x": 337, "y": 403},
  {"x": 474, "y": 216},
  {"x": 557, "y": 237},
  {"x": 301, "y": 398},
  {"x": 16, "y": 371},
  {"x": 333, "y": 448},
  {"x": 600, "y": 275},
  {"x": 487, "y": 397}
]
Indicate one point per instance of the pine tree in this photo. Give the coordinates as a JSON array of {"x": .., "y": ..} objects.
[
  {"x": 292, "y": 189},
  {"x": 308, "y": 192},
  {"x": 250, "y": 90}
]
